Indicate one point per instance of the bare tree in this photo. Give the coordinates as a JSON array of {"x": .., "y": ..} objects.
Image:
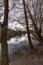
[{"x": 35, "y": 26}]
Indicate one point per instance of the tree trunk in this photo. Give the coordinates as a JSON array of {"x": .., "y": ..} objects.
[
  {"x": 27, "y": 27},
  {"x": 4, "y": 46}
]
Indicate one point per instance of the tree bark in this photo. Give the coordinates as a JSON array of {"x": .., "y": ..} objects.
[{"x": 4, "y": 45}]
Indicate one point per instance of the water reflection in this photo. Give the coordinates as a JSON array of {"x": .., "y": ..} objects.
[
  {"x": 17, "y": 40},
  {"x": 13, "y": 45}
]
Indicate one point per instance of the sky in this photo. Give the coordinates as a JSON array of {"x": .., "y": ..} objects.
[{"x": 14, "y": 14}]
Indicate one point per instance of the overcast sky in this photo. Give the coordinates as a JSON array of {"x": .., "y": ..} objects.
[{"x": 12, "y": 15}]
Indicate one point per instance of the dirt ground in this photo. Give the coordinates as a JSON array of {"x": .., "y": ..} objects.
[{"x": 34, "y": 57}]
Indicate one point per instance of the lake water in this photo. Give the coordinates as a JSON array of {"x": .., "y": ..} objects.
[{"x": 15, "y": 45}]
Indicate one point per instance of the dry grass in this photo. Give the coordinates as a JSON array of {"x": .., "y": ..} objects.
[{"x": 34, "y": 57}]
